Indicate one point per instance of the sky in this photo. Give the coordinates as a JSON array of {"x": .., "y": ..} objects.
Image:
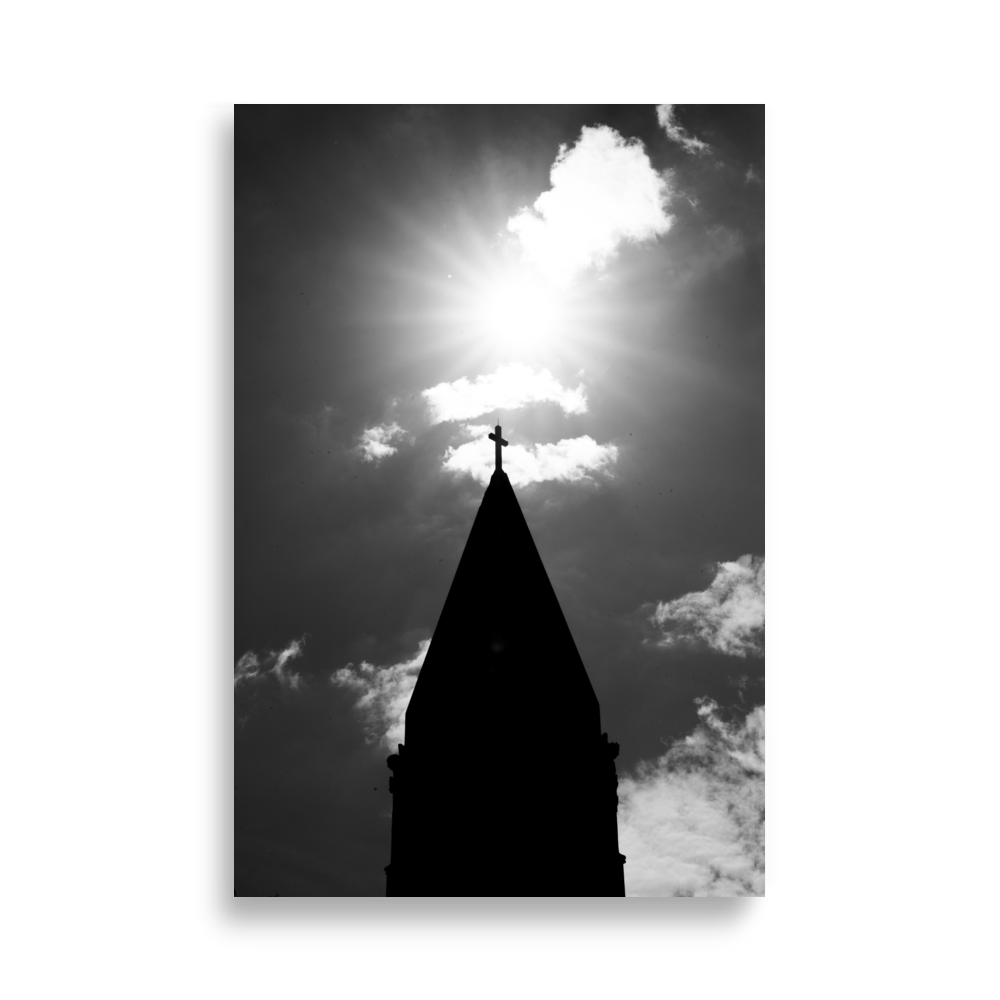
[{"x": 592, "y": 277}]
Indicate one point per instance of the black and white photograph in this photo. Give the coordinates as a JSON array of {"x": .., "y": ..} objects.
[{"x": 499, "y": 500}]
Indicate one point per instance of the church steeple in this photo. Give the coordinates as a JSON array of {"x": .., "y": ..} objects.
[{"x": 505, "y": 784}]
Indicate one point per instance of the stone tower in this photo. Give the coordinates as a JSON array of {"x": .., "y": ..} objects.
[{"x": 505, "y": 785}]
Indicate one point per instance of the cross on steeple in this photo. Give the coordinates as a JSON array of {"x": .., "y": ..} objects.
[{"x": 499, "y": 442}]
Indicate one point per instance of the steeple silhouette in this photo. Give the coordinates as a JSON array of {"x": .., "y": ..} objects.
[{"x": 505, "y": 784}]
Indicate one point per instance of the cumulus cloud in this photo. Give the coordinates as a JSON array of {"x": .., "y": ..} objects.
[
  {"x": 570, "y": 460},
  {"x": 252, "y": 668},
  {"x": 691, "y": 822},
  {"x": 375, "y": 441},
  {"x": 665, "y": 116},
  {"x": 603, "y": 192},
  {"x": 383, "y": 694},
  {"x": 508, "y": 388},
  {"x": 728, "y": 616},
  {"x": 477, "y": 432}
]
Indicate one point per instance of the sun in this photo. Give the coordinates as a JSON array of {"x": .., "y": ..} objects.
[{"x": 518, "y": 309}]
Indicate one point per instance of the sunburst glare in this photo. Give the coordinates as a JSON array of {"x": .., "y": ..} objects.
[
  {"x": 517, "y": 309},
  {"x": 539, "y": 287}
]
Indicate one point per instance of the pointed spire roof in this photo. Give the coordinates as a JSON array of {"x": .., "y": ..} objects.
[{"x": 502, "y": 663}]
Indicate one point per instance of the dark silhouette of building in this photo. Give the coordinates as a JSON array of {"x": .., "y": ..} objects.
[{"x": 505, "y": 785}]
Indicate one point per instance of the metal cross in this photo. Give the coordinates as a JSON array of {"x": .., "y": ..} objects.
[{"x": 499, "y": 442}]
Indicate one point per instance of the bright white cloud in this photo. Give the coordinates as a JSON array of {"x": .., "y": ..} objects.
[
  {"x": 603, "y": 192},
  {"x": 570, "y": 460},
  {"x": 508, "y": 388},
  {"x": 252, "y": 668},
  {"x": 383, "y": 694},
  {"x": 728, "y": 616},
  {"x": 375, "y": 445},
  {"x": 478, "y": 432},
  {"x": 665, "y": 116},
  {"x": 691, "y": 823}
]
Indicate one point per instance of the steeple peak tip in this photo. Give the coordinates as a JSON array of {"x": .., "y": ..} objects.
[{"x": 497, "y": 437}]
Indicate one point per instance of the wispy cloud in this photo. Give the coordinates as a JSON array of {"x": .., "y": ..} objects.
[
  {"x": 665, "y": 116},
  {"x": 603, "y": 192},
  {"x": 569, "y": 460},
  {"x": 383, "y": 694},
  {"x": 253, "y": 667},
  {"x": 508, "y": 388},
  {"x": 691, "y": 822},
  {"x": 375, "y": 441},
  {"x": 728, "y": 616}
]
